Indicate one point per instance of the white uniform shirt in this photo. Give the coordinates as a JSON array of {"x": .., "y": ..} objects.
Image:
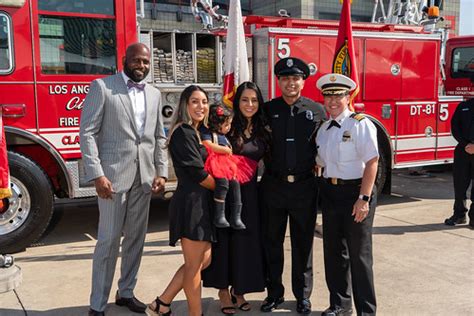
[
  {"x": 344, "y": 151},
  {"x": 137, "y": 97}
]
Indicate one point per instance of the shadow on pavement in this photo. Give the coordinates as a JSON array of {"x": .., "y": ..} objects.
[
  {"x": 432, "y": 185},
  {"x": 179, "y": 307},
  {"x": 89, "y": 256},
  {"x": 77, "y": 221},
  {"x": 417, "y": 228}
]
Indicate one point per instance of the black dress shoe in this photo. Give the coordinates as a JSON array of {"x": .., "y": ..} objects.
[
  {"x": 271, "y": 303},
  {"x": 95, "y": 313},
  {"x": 455, "y": 220},
  {"x": 133, "y": 304},
  {"x": 335, "y": 311},
  {"x": 303, "y": 306}
]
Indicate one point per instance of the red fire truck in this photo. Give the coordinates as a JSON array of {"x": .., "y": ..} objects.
[
  {"x": 399, "y": 74},
  {"x": 50, "y": 51}
]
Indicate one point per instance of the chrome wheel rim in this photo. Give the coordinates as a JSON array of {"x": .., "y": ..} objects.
[{"x": 19, "y": 207}]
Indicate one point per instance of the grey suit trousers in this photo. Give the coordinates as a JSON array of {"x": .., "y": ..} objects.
[{"x": 127, "y": 214}]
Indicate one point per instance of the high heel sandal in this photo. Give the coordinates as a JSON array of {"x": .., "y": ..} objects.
[
  {"x": 245, "y": 306},
  {"x": 156, "y": 311}
]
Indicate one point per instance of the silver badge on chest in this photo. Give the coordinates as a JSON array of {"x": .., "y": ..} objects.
[
  {"x": 309, "y": 115},
  {"x": 346, "y": 136}
]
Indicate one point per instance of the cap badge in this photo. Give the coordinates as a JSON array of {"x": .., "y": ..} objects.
[
  {"x": 332, "y": 78},
  {"x": 309, "y": 115},
  {"x": 289, "y": 63}
]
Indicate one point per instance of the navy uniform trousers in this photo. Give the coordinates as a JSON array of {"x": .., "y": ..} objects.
[
  {"x": 463, "y": 176},
  {"x": 296, "y": 201},
  {"x": 347, "y": 248}
]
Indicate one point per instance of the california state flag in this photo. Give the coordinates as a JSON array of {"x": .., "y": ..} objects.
[
  {"x": 5, "y": 191},
  {"x": 236, "y": 67}
]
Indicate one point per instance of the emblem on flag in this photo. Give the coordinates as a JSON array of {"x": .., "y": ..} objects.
[{"x": 344, "y": 61}]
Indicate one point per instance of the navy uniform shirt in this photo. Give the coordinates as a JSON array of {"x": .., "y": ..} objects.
[
  {"x": 462, "y": 123},
  {"x": 293, "y": 129}
]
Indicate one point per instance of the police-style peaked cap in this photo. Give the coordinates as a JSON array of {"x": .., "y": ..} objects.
[
  {"x": 333, "y": 84},
  {"x": 291, "y": 66}
]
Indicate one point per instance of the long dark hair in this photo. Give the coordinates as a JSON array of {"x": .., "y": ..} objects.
[{"x": 239, "y": 123}]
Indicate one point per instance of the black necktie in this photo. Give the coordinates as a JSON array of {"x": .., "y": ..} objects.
[
  {"x": 132, "y": 84},
  {"x": 333, "y": 123}
]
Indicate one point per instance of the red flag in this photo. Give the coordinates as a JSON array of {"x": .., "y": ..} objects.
[
  {"x": 5, "y": 190},
  {"x": 344, "y": 56},
  {"x": 236, "y": 67}
]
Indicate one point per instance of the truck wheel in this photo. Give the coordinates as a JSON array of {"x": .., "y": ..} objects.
[{"x": 26, "y": 214}]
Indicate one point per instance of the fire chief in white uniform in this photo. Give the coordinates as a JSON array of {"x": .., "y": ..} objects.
[
  {"x": 347, "y": 150},
  {"x": 123, "y": 150}
]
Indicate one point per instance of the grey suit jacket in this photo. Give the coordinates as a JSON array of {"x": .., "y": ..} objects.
[{"x": 110, "y": 143}]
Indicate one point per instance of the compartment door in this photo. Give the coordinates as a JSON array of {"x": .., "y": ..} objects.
[{"x": 382, "y": 80}]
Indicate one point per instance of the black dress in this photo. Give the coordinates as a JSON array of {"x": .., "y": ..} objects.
[
  {"x": 190, "y": 206},
  {"x": 237, "y": 257}
]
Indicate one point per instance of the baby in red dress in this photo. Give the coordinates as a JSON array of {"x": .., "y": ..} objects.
[{"x": 227, "y": 169}]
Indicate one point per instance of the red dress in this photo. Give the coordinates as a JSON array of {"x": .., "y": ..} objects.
[{"x": 231, "y": 167}]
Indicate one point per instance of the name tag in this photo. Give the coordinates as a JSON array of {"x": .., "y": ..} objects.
[{"x": 275, "y": 116}]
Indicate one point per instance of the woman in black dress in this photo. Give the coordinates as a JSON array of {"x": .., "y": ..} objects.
[
  {"x": 237, "y": 259},
  {"x": 189, "y": 210}
]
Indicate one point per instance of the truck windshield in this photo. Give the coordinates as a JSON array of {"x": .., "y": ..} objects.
[
  {"x": 73, "y": 45},
  {"x": 6, "y": 58},
  {"x": 463, "y": 62}
]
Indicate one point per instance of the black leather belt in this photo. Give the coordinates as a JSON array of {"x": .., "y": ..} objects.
[
  {"x": 291, "y": 178},
  {"x": 337, "y": 181}
]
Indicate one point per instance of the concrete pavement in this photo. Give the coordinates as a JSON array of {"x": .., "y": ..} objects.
[{"x": 422, "y": 267}]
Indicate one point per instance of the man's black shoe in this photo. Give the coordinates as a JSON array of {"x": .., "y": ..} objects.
[
  {"x": 455, "y": 220},
  {"x": 271, "y": 303},
  {"x": 133, "y": 303},
  {"x": 95, "y": 313},
  {"x": 471, "y": 223},
  {"x": 336, "y": 311},
  {"x": 303, "y": 306}
]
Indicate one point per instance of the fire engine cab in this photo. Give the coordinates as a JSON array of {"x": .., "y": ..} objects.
[{"x": 50, "y": 51}]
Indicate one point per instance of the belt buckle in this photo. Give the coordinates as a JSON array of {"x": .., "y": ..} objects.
[
  {"x": 334, "y": 181},
  {"x": 290, "y": 178}
]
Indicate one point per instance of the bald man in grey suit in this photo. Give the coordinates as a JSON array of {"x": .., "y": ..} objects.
[{"x": 123, "y": 150}]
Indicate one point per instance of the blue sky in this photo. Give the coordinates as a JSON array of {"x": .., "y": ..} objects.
[{"x": 466, "y": 22}]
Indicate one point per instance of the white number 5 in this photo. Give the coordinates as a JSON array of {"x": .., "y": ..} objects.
[
  {"x": 443, "y": 112},
  {"x": 283, "y": 47}
]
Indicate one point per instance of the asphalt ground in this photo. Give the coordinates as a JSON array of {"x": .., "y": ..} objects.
[{"x": 422, "y": 267}]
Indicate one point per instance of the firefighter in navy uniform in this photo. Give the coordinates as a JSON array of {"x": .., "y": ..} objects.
[
  {"x": 347, "y": 150},
  {"x": 289, "y": 186},
  {"x": 462, "y": 128}
]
